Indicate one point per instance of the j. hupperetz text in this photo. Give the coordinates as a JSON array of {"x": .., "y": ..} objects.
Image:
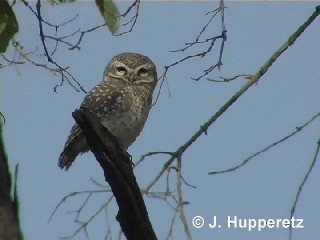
[{"x": 258, "y": 224}]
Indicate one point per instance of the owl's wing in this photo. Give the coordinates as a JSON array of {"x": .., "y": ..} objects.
[
  {"x": 101, "y": 101},
  {"x": 75, "y": 144}
]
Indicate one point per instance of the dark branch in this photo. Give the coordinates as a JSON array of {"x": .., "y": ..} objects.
[
  {"x": 132, "y": 216},
  {"x": 63, "y": 71},
  {"x": 9, "y": 214}
]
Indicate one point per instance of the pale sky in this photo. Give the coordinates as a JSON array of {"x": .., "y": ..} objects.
[{"x": 38, "y": 120}]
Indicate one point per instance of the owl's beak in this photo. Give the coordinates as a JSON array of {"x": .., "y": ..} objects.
[{"x": 132, "y": 76}]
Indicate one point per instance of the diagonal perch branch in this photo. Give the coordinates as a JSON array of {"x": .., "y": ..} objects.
[
  {"x": 116, "y": 165},
  {"x": 252, "y": 80}
]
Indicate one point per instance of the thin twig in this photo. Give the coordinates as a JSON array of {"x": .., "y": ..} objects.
[
  {"x": 55, "y": 71},
  {"x": 83, "y": 225},
  {"x": 181, "y": 200},
  {"x": 188, "y": 45},
  {"x": 61, "y": 40},
  {"x": 63, "y": 71},
  {"x": 85, "y": 32},
  {"x": 95, "y": 182},
  {"x": 302, "y": 185},
  {"x": 144, "y": 156},
  {"x": 224, "y": 79},
  {"x": 72, "y": 194},
  {"x": 244, "y": 162},
  {"x": 109, "y": 233},
  {"x": 78, "y": 211},
  {"x": 208, "y": 42},
  {"x": 170, "y": 232},
  {"x": 133, "y": 20}
]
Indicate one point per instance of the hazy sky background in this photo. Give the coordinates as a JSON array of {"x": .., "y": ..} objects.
[{"x": 38, "y": 120}]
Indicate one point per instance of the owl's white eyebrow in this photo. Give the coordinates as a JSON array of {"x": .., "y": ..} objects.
[
  {"x": 120, "y": 64},
  {"x": 144, "y": 66},
  {"x": 144, "y": 81}
]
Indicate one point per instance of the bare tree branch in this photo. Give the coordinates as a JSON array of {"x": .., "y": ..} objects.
[
  {"x": 27, "y": 56},
  {"x": 65, "y": 74},
  {"x": 83, "y": 225},
  {"x": 181, "y": 200},
  {"x": 151, "y": 154},
  {"x": 133, "y": 216},
  {"x": 293, "y": 209},
  {"x": 170, "y": 232},
  {"x": 109, "y": 233},
  {"x": 132, "y": 22},
  {"x": 174, "y": 197},
  {"x": 9, "y": 206},
  {"x": 209, "y": 44},
  {"x": 63, "y": 71},
  {"x": 82, "y": 33},
  {"x": 253, "y": 79},
  {"x": 210, "y": 41},
  {"x": 244, "y": 162},
  {"x": 73, "y": 194},
  {"x": 224, "y": 79}
]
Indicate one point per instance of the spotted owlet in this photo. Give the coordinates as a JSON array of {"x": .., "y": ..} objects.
[{"x": 121, "y": 102}]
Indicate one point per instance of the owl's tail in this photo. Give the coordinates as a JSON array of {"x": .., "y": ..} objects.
[
  {"x": 75, "y": 145},
  {"x": 66, "y": 158}
]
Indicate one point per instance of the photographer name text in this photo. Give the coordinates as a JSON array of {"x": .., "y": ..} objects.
[{"x": 248, "y": 224}]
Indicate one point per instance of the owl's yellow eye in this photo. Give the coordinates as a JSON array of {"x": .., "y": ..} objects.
[
  {"x": 121, "y": 71},
  {"x": 143, "y": 71}
]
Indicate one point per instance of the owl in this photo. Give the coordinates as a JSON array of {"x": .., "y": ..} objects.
[{"x": 121, "y": 103}]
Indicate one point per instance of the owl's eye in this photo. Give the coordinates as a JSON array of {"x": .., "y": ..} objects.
[
  {"x": 121, "y": 71},
  {"x": 143, "y": 71}
]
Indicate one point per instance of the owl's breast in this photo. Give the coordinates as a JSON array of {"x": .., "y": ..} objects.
[{"x": 126, "y": 120}]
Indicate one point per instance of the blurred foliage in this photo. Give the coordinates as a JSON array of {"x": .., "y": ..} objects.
[
  {"x": 8, "y": 25},
  {"x": 108, "y": 10},
  {"x": 53, "y": 2},
  {"x": 110, "y": 14}
]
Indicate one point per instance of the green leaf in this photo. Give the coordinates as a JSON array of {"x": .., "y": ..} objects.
[
  {"x": 110, "y": 14},
  {"x": 56, "y": 2},
  {"x": 66, "y": 1},
  {"x": 8, "y": 25}
]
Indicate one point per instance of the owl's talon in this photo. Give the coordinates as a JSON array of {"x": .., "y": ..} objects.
[{"x": 128, "y": 155}]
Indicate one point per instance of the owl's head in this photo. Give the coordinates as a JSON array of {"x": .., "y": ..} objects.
[{"x": 132, "y": 68}]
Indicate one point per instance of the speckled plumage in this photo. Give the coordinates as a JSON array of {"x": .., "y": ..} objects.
[{"x": 121, "y": 102}]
